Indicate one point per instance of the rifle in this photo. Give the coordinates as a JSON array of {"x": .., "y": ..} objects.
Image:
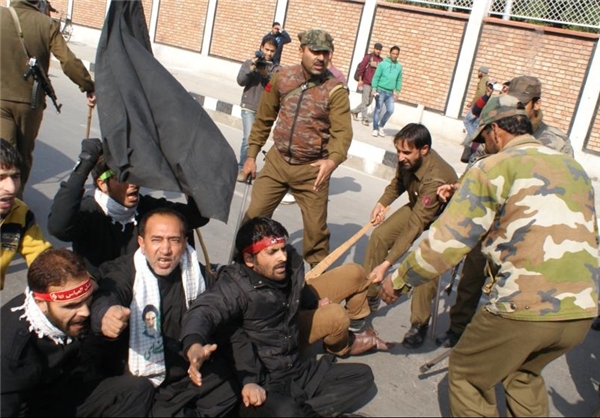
[{"x": 40, "y": 79}]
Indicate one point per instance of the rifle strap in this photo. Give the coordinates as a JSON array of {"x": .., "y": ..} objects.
[{"x": 19, "y": 31}]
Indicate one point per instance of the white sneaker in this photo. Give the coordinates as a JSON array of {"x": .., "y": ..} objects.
[
  {"x": 375, "y": 133},
  {"x": 288, "y": 199},
  {"x": 381, "y": 132}
]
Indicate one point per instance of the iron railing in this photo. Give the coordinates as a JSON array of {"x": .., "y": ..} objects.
[{"x": 568, "y": 14}]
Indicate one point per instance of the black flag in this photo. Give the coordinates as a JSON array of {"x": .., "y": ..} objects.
[{"x": 155, "y": 134}]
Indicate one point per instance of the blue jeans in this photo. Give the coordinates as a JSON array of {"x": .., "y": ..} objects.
[
  {"x": 248, "y": 117},
  {"x": 388, "y": 99},
  {"x": 471, "y": 122}
]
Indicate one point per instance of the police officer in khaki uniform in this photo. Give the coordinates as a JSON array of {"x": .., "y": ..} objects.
[
  {"x": 312, "y": 137},
  {"x": 420, "y": 172},
  {"x": 19, "y": 122}
]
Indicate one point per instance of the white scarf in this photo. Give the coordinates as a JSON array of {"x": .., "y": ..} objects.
[
  {"x": 38, "y": 322},
  {"x": 114, "y": 210},
  {"x": 146, "y": 353}
]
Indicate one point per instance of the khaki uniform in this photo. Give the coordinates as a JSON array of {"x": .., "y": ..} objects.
[
  {"x": 19, "y": 123},
  {"x": 347, "y": 283},
  {"x": 532, "y": 208},
  {"x": 390, "y": 240},
  {"x": 313, "y": 123}
]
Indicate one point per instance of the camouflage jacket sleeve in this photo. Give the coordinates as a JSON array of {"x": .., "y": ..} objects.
[
  {"x": 534, "y": 209},
  {"x": 341, "y": 125},
  {"x": 268, "y": 108}
]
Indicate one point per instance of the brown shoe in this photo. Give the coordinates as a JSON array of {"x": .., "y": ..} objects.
[
  {"x": 361, "y": 343},
  {"x": 381, "y": 344}
]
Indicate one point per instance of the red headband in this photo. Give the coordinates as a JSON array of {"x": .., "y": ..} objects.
[
  {"x": 258, "y": 246},
  {"x": 66, "y": 295}
]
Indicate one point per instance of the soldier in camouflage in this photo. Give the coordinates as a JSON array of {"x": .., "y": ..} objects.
[
  {"x": 312, "y": 137},
  {"x": 528, "y": 90},
  {"x": 533, "y": 210}
]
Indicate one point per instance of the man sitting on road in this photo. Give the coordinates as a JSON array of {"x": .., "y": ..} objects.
[
  {"x": 262, "y": 292},
  {"x": 18, "y": 229},
  {"x": 51, "y": 365},
  {"x": 103, "y": 227},
  {"x": 165, "y": 273}
]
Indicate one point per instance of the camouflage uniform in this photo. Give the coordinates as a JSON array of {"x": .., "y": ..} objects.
[
  {"x": 472, "y": 279},
  {"x": 534, "y": 209},
  {"x": 390, "y": 240},
  {"x": 313, "y": 123}
]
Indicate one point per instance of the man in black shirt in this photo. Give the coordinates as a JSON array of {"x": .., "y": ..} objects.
[
  {"x": 262, "y": 292},
  {"x": 164, "y": 272}
]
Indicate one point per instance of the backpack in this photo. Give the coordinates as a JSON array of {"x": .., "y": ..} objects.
[{"x": 357, "y": 72}]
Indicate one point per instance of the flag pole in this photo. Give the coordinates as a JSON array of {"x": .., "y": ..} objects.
[{"x": 247, "y": 183}]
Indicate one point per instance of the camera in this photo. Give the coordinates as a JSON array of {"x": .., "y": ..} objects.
[
  {"x": 261, "y": 61},
  {"x": 495, "y": 86}
]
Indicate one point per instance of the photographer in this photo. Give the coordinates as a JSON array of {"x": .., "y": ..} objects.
[
  {"x": 254, "y": 75},
  {"x": 21, "y": 119}
]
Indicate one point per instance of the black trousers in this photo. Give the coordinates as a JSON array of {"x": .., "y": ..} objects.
[
  {"x": 217, "y": 396},
  {"x": 120, "y": 396},
  {"x": 335, "y": 393}
]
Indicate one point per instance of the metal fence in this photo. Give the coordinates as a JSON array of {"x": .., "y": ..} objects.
[{"x": 568, "y": 14}]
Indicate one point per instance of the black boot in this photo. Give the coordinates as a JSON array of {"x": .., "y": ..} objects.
[
  {"x": 415, "y": 337},
  {"x": 596, "y": 324},
  {"x": 448, "y": 340}
]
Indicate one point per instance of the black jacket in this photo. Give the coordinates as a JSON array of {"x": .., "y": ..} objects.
[
  {"x": 80, "y": 220},
  {"x": 116, "y": 288},
  {"x": 264, "y": 315},
  {"x": 40, "y": 377}
]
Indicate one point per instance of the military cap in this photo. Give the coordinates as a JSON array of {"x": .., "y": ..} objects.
[
  {"x": 525, "y": 88},
  {"x": 316, "y": 40},
  {"x": 497, "y": 108}
]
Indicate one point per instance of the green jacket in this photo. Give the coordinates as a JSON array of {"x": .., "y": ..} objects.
[
  {"x": 42, "y": 37},
  {"x": 388, "y": 76},
  {"x": 533, "y": 209}
]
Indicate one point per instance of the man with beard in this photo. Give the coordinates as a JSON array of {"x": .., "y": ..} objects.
[
  {"x": 312, "y": 137},
  {"x": 50, "y": 366},
  {"x": 263, "y": 293},
  {"x": 103, "y": 227},
  {"x": 164, "y": 272},
  {"x": 420, "y": 172}
]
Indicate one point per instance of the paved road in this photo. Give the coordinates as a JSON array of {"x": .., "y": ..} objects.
[{"x": 399, "y": 391}]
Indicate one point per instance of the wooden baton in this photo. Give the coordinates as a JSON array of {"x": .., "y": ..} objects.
[{"x": 330, "y": 259}]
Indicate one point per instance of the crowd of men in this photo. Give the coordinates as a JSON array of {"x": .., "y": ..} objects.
[{"x": 130, "y": 323}]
